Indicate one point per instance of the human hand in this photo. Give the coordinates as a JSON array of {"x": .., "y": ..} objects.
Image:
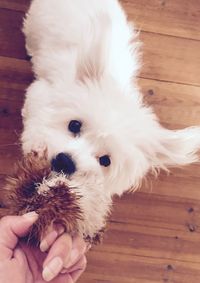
[
  {"x": 30, "y": 265},
  {"x": 65, "y": 254}
]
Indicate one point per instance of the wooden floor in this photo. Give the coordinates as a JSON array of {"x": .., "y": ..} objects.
[{"x": 153, "y": 235}]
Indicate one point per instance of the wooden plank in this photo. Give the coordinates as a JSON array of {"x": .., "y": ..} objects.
[
  {"x": 106, "y": 267},
  {"x": 176, "y": 105},
  {"x": 7, "y": 86},
  {"x": 9, "y": 107},
  {"x": 160, "y": 212},
  {"x": 131, "y": 242},
  {"x": 11, "y": 37},
  {"x": 165, "y": 58},
  {"x": 145, "y": 249},
  {"x": 9, "y": 138},
  {"x": 17, "y": 5},
  {"x": 15, "y": 70},
  {"x": 180, "y": 183},
  {"x": 170, "y": 59},
  {"x": 6, "y": 122},
  {"x": 177, "y": 18},
  {"x": 10, "y": 114},
  {"x": 8, "y": 158},
  {"x": 11, "y": 93}
]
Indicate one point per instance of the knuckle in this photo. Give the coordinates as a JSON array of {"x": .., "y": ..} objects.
[
  {"x": 4, "y": 222},
  {"x": 80, "y": 244}
]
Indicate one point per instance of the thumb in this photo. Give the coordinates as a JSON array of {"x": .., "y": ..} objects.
[{"x": 12, "y": 228}]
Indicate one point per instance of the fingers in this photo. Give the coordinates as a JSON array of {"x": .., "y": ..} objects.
[
  {"x": 57, "y": 257},
  {"x": 64, "y": 254},
  {"x": 52, "y": 234},
  {"x": 78, "y": 250},
  {"x": 48, "y": 240},
  {"x": 12, "y": 227},
  {"x": 76, "y": 266}
]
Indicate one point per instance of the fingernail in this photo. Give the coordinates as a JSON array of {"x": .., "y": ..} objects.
[
  {"x": 32, "y": 216},
  {"x": 44, "y": 246},
  {"x": 52, "y": 269}
]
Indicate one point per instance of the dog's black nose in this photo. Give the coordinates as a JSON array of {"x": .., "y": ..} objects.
[{"x": 63, "y": 162}]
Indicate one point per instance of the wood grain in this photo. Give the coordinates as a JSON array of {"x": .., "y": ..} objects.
[
  {"x": 11, "y": 68},
  {"x": 131, "y": 268},
  {"x": 17, "y": 5},
  {"x": 12, "y": 40},
  {"x": 180, "y": 18},
  {"x": 154, "y": 235},
  {"x": 165, "y": 58},
  {"x": 170, "y": 59},
  {"x": 177, "y": 105}
]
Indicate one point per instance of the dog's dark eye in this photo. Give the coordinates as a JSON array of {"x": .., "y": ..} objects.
[
  {"x": 74, "y": 126},
  {"x": 104, "y": 161}
]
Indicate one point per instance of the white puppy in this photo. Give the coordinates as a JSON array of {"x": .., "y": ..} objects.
[{"x": 85, "y": 107}]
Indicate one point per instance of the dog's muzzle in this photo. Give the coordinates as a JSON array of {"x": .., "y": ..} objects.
[{"x": 63, "y": 163}]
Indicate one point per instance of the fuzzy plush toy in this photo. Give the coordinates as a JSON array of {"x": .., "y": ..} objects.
[{"x": 35, "y": 187}]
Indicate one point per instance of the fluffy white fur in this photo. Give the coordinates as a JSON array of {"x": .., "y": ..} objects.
[{"x": 85, "y": 59}]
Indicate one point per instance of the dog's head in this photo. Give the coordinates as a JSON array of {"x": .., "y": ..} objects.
[{"x": 101, "y": 135}]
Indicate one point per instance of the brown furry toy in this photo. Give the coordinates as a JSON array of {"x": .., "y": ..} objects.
[{"x": 57, "y": 199}]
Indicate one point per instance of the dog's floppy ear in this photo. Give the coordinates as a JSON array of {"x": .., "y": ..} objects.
[{"x": 177, "y": 148}]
